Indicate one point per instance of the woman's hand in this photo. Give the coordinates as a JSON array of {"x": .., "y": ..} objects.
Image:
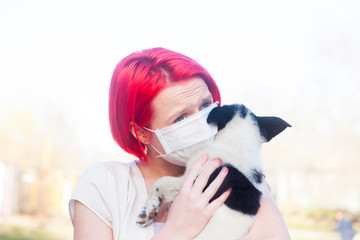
[{"x": 191, "y": 211}]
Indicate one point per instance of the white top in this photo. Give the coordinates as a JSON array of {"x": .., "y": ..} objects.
[{"x": 115, "y": 192}]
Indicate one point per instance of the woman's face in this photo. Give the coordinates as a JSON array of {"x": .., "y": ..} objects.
[{"x": 177, "y": 102}]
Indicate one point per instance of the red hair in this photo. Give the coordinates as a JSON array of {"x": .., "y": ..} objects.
[{"x": 136, "y": 81}]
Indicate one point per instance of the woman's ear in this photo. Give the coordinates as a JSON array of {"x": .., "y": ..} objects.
[{"x": 143, "y": 135}]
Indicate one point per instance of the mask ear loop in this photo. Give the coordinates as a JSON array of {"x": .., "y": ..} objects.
[
  {"x": 149, "y": 129},
  {"x": 160, "y": 154},
  {"x": 156, "y": 150}
]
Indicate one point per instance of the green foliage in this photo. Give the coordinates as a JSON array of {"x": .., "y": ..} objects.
[
  {"x": 20, "y": 233},
  {"x": 310, "y": 219}
]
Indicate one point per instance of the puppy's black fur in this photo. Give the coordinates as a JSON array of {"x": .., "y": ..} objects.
[
  {"x": 258, "y": 176},
  {"x": 244, "y": 196},
  {"x": 223, "y": 115},
  {"x": 269, "y": 126}
]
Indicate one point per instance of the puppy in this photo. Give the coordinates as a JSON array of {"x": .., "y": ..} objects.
[{"x": 238, "y": 145}]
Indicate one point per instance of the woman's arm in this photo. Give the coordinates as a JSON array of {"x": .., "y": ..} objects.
[
  {"x": 89, "y": 226},
  {"x": 269, "y": 223}
]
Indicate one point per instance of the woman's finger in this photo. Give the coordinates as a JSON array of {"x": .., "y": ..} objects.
[
  {"x": 204, "y": 176},
  {"x": 215, "y": 184},
  {"x": 193, "y": 171},
  {"x": 214, "y": 205}
]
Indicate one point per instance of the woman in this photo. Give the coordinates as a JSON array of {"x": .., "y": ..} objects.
[{"x": 155, "y": 89}]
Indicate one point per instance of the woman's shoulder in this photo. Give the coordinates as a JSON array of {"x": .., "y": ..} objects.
[
  {"x": 109, "y": 167},
  {"x": 103, "y": 172},
  {"x": 98, "y": 186}
]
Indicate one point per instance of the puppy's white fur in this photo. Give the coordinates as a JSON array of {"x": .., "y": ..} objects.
[{"x": 239, "y": 145}]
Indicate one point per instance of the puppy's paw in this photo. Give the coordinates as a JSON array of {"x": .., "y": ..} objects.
[{"x": 147, "y": 214}]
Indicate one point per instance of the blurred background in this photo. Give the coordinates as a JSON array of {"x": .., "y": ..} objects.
[{"x": 299, "y": 60}]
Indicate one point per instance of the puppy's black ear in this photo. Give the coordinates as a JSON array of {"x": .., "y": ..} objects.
[
  {"x": 221, "y": 115},
  {"x": 271, "y": 126}
]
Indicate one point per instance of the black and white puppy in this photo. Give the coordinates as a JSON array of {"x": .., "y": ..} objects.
[{"x": 238, "y": 145}]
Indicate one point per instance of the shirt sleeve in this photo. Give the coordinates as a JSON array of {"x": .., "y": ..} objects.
[{"x": 93, "y": 191}]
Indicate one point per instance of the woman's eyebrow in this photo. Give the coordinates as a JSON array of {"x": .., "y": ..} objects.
[{"x": 208, "y": 98}]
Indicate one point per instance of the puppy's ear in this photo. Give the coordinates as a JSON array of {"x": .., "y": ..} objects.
[
  {"x": 271, "y": 126},
  {"x": 221, "y": 115}
]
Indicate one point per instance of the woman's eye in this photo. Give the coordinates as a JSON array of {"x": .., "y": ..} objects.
[
  {"x": 205, "y": 105},
  {"x": 180, "y": 118}
]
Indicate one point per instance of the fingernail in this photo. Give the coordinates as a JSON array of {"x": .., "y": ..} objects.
[
  {"x": 204, "y": 157},
  {"x": 225, "y": 170}
]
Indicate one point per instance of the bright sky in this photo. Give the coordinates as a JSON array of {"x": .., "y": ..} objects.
[{"x": 60, "y": 54}]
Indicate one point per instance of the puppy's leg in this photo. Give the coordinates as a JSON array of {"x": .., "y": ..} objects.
[{"x": 165, "y": 189}]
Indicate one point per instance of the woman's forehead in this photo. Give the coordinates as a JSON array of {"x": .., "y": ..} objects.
[
  {"x": 180, "y": 95},
  {"x": 182, "y": 92}
]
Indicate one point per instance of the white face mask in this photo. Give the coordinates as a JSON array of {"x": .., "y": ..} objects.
[{"x": 181, "y": 139}]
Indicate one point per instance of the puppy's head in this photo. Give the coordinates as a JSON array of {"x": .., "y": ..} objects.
[{"x": 268, "y": 127}]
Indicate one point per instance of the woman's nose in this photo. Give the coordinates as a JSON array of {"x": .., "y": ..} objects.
[{"x": 195, "y": 110}]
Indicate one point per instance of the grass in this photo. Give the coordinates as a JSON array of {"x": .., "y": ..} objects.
[
  {"x": 304, "y": 224},
  {"x": 315, "y": 224},
  {"x": 21, "y": 233},
  {"x": 23, "y": 227},
  {"x": 316, "y": 219}
]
